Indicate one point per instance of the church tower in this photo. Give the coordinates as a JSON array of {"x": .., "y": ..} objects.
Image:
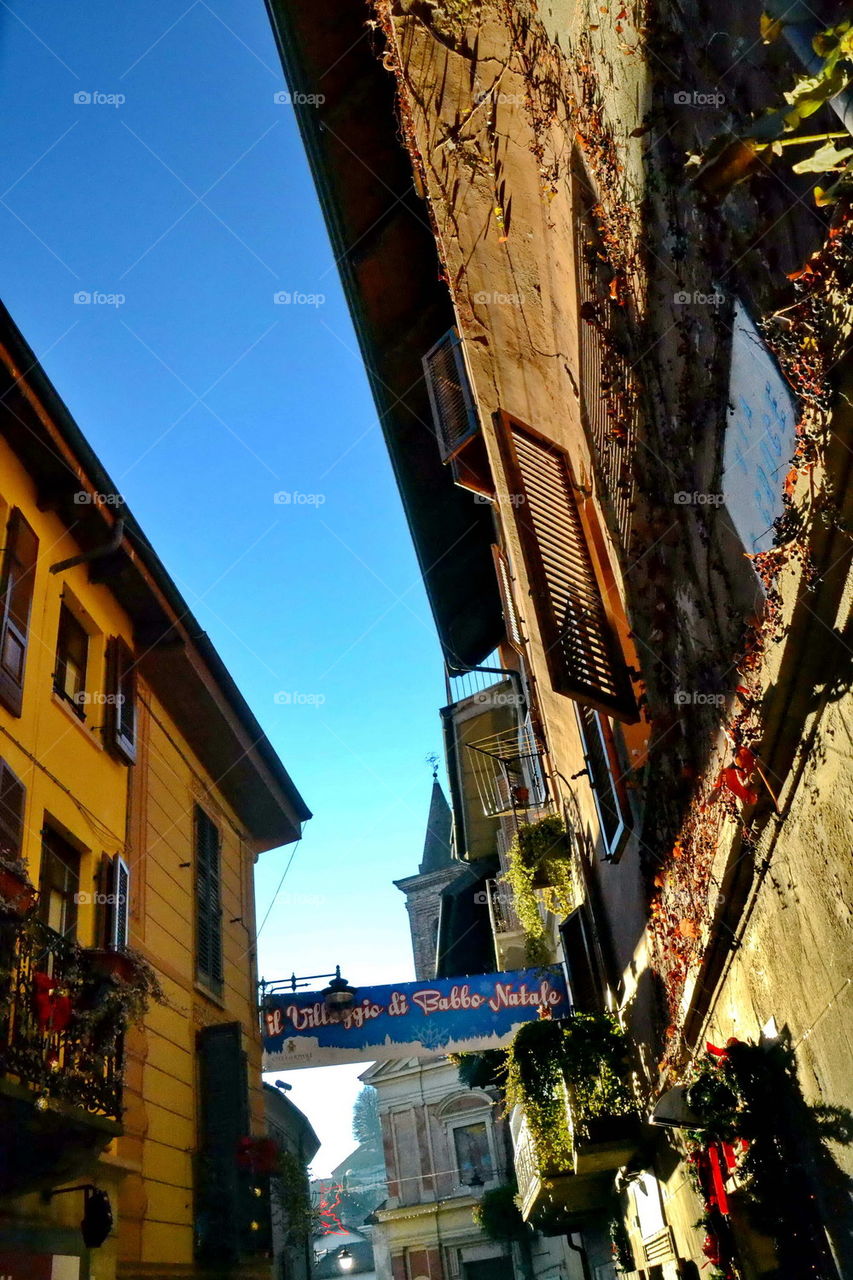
[{"x": 438, "y": 868}]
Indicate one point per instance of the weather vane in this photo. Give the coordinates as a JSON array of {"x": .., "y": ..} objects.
[{"x": 432, "y": 761}]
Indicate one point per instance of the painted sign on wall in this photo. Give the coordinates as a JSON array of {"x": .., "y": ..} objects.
[
  {"x": 409, "y": 1019},
  {"x": 760, "y": 436}
]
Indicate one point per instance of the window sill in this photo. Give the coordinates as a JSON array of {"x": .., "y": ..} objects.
[
  {"x": 209, "y": 993},
  {"x": 88, "y": 732}
]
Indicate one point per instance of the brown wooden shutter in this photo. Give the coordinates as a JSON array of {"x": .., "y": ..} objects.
[
  {"x": 511, "y": 619},
  {"x": 453, "y": 410},
  {"x": 12, "y": 797},
  {"x": 582, "y": 649},
  {"x": 19, "y": 563},
  {"x": 120, "y": 720}
]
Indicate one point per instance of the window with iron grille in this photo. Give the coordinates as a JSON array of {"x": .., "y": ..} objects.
[
  {"x": 18, "y": 578},
  {"x": 208, "y": 901},
  {"x": 454, "y": 413},
  {"x": 575, "y": 618}
]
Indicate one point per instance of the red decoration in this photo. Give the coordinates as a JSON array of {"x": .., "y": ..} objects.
[
  {"x": 259, "y": 1155},
  {"x": 53, "y": 1005}
]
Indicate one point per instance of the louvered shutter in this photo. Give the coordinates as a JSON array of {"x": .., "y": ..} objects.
[
  {"x": 12, "y": 796},
  {"x": 120, "y": 723},
  {"x": 582, "y": 649},
  {"x": 453, "y": 410},
  {"x": 120, "y": 905},
  {"x": 19, "y": 563},
  {"x": 208, "y": 912},
  {"x": 223, "y": 1120},
  {"x": 511, "y": 619}
]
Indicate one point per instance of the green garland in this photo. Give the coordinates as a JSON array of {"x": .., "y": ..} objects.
[
  {"x": 540, "y": 852},
  {"x": 498, "y": 1216},
  {"x": 292, "y": 1197}
]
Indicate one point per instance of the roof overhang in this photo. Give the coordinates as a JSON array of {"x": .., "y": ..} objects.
[
  {"x": 178, "y": 660},
  {"x": 387, "y": 257}
]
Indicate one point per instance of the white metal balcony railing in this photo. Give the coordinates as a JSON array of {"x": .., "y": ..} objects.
[
  {"x": 508, "y": 770},
  {"x": 502, "y": 912}
]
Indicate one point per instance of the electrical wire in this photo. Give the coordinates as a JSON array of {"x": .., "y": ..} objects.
[{"x": 278, "y": 889}]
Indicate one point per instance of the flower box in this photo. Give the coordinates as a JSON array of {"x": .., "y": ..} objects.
[
  {"x": 16, "y": 892},
  {"x": 605, "y": 1143},
  {"x": 112, "y": 964}
]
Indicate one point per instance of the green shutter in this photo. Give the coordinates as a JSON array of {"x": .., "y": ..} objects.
[
  {"x": 19, "y": 571},
  {"x": 223, "y": 1121},
  {"x": 208, "y": 909}
]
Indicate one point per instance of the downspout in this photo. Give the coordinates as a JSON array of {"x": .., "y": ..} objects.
[
  {"x": 97, "y": 553},
  {"x": 581, "y": 1252}
]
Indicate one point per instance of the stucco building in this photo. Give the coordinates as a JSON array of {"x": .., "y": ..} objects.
[
  {"x": 138, "y": 791},
  {"x": 606, "y": 329}
]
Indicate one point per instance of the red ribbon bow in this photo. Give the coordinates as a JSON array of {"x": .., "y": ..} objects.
[{"x": 52, "y": 1011}]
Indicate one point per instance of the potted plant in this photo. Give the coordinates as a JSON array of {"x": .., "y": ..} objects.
[{"x": 17, "y": 892}]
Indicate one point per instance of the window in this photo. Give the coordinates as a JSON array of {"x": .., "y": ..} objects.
[
  {"x": 576, "y": 620},
  {"x": 605, "y": 775},
  {"x": 72, "y": 653},
  {"x": 208, "y": 909},
  {"x": 12, "y": 796},
  {"x": 120, "y": 722},
  {"x": 473, "y": 1153},
  {"x": 586, "y": 988},
  {"x": 511, "y": 619},
  {"x": 18, "y": 577},
  {"x": 59, "y": 883}
]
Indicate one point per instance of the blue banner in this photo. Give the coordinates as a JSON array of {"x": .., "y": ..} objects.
[{"x": 409, "y": 1019}]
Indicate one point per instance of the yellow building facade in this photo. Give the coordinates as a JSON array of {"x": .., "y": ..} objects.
[{"x": 136, "y": 792}]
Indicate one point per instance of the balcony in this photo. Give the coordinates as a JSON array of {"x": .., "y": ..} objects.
[
  {"x": 559, "y": 1197},
  {"x": 62, "y": 1018},
  {"x": 507, "y": 931}
]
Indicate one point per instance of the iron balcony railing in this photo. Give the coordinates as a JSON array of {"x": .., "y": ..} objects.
[{"x": 60, "y": 1031}]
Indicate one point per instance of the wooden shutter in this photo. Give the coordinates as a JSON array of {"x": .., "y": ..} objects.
[
  {"x": 582, "y": 649},
  {"x": 12, "y": 798},
  {"x": 208, "y": 911},
  {"x": 453, "y": 410},
  {"x": 18, "y": 578},
  {"x": 120, "y": 720},
  {"x": 223, "y": 1120},
  {"x": 118, "y": 903},
  {"x": 511, "y": 620}
]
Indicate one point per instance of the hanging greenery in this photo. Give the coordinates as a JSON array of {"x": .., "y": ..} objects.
[
  {"x": 480, "y": 1070},
  {"x": 291, "y": 1197},
  {"x": 540, "y": 858},
  {"x": 498, "y": 1216},
  {"x": 729, "y": 160},
  {"x": 580, "y": 1066}
]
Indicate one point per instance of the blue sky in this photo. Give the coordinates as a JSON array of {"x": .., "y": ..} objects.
[{"x": 180, "y": 191}]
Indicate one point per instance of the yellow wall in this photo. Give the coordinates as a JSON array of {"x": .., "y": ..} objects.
[
  {"x": 146, "y": 812},
  {"x": 157, "y": 1209}
]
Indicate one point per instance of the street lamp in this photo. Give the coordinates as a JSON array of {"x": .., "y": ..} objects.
[
  {"x": 338, "y": 996},
  {"x": 345, "y": 1260}
]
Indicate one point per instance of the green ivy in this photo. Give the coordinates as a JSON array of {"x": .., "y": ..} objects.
[
  {"x": 479, "y": 1070},
  {"x": 540, "y": 851},
  {"x": 584, "y": 1056},
  {"x": 498, "y": 1216}
]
